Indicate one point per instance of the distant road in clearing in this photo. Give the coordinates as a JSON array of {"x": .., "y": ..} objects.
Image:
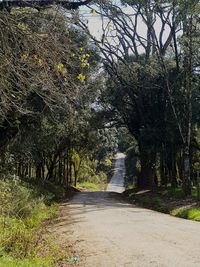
[
  {"x": 108, "y": 232},
  {"x": 117, "y": 182}
]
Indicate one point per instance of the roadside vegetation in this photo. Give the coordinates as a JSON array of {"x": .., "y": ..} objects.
[
  {"x": 51, "y": 138},
  {"x": 27, "y": 210},
  {"x": 188, "y": 213},
  {"x": 152, "y": 87},
  {"x": 69, "y": 99},
  {"x": 163, "y": 200},
  {"x": 167, "y": 199},
  {"x": 24, "y": 216},
  {"x": 95, "y": 177}
]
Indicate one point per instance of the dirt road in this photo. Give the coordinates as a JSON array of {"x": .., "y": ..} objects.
[
  {"x": 108, "y": 232},
  {"x": 117, "y": 182}
]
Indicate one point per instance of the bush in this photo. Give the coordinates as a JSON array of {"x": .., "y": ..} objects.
[
  {"x": 17, "y": 199},
  {"x": 176, "y": 192},
  {"x": 191, "y": 213},
  {"x": 21, "y": 214},
  {"x": 15, "y": 237}
]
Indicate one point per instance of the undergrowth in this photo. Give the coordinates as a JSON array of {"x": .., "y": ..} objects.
[
  {"x": 152, "y": 202},
  {"x": 191, "y": 213},
  {"x": 167, "y": 200},
  {"x": 22, "y": 213},
  {"x": 91, "y": 186},
  {"x": 94, "y": 176}
]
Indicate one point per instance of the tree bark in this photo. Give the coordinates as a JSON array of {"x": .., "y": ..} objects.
[
  {"x": 75, "y": 174},
  {"x": 187, "y": 188},
  {"x": 70, "y": 169},
  {"x": 147, "y": 161},
  {"x": 188, "y": 27},
  {"x": 163, "y": 176}
]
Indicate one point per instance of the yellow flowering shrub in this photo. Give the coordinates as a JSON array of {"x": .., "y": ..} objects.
[
  {"x": 60, "y": 68},
  {"x": 81, "y": 77}
]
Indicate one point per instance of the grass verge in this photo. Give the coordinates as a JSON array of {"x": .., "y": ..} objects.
[
  {"x": 91, "y": 186},
  {"x": 170, "y": 201},
  {"x": 190, "y": 213},
  {"x": 24, "y": 215},
  {"x": 97, "y": 180}
]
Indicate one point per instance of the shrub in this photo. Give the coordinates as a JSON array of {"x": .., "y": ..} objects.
[
  {"x": 191, "y": 213},
  {"x": 21, "y": 214}
]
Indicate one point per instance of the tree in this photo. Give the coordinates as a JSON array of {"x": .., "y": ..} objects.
[
  {"x": 121, "y": 38},
  {"x": 39, "y": 43},
  {"x": 44, "y": 117}
]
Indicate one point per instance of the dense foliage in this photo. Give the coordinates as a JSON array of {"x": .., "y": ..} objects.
[
  {"x": 49, "y": 139},
  {"x": 23, "y": 209},
  {"x": 150, "y": 51},
  {"x": 47, "y": 91},
  {"x": 69, "y": 99}
]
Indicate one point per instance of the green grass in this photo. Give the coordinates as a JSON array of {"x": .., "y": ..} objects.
[
  {"x": 194, "y": 192},
  {"x": 179, "y": 194},
  {"x": 190, "y": 214},
  {"x": 91, "y": 186},
  {"x": 94, "y": 176},
  {"x": 22, "y": 213},
  {"x": 32, "y": 262},
  {"x": 171, "y": 200},
  {"x": 130, "y": 186}
]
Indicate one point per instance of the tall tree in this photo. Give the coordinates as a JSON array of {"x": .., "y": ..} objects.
[{"x": 122, "y": 38}]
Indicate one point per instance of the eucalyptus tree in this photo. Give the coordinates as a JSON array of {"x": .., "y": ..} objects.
[
  {"x": 141, "y": 105},
  {"x": 168, "y": 26}
]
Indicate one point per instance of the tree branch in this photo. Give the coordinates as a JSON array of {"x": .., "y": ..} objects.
[{"x": 8, "y": 4}]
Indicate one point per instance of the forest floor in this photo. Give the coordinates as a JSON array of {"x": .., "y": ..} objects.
[{"x": 104, "y": 230}]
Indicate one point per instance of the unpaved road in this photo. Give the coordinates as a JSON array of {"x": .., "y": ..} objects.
[
  {"x": 117, "y": 182},
  {"x": 108, "y": 232}
]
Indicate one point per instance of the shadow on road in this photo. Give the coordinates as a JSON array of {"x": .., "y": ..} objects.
[{"x": 83, "y": 203}]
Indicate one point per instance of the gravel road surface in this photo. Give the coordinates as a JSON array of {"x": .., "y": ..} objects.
[
  {"x": 117, "y": 182},
  {"x": 107, "y": 232}
]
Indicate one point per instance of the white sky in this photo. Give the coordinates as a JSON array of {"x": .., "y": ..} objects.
[{"x": 94, "y": 23}]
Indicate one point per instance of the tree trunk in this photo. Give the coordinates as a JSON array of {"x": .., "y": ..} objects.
[
  {"x": 50, "y": 172},
  {"x": 163, "y": 176},
  {"x": 187, "y": 188},
  {"x": 75, "y": 174},
  {"x": 147, "y": 161},
  {"x": 30, "y": 170},
  {"x": 38, "y": 170},
  {"x": 64, "y": 172},
  {"x": 70, "y": 169},
  {"x": 67, "y": 170},
  {"x": 187, "y": 29},
  {"x": 60, "y": 169},
  {"x": 173, "y": 171}
]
